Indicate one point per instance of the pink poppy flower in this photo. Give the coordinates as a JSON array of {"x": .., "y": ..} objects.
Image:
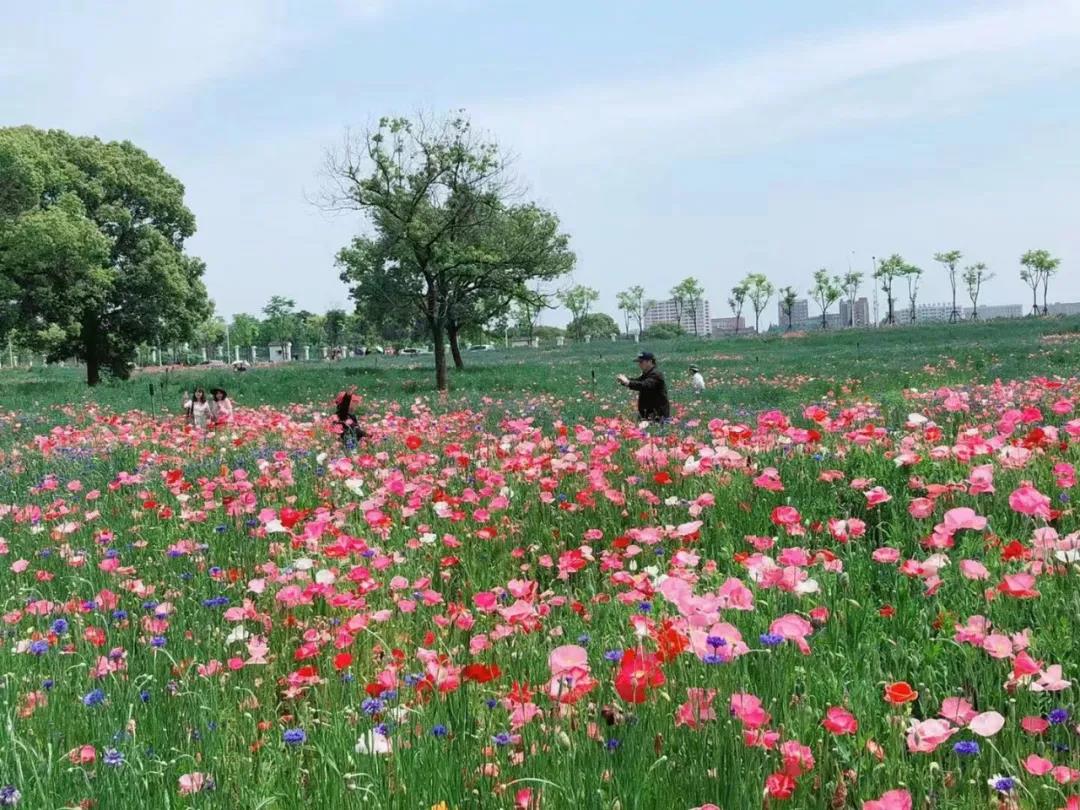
[
  {"x": 957, "y": 710},
  {"x": 1037, "y": 766},
  {"x": 1029, "y": 501},
  {"x": 924, "y": 736},
  {"x": 892, "y": 800},
  {"x": 793, "y": 627},
  {"x": 987, "y": 724},
  {"x": 840, "y": 721}
]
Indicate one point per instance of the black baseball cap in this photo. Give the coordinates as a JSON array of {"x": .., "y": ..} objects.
[{"x": 645, "y": 356}]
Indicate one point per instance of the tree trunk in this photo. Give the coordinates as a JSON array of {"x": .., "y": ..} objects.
[
  {"x": 790, "y": 317},
  {"x": 437, "y": 324},
  {"x": 452, "y": 330},
  {"x": 92, "y": 350}
]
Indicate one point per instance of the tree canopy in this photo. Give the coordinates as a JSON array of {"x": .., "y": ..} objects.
[
  {"x": 446, "y": 244},
  {"x": 92, "y": 258}
]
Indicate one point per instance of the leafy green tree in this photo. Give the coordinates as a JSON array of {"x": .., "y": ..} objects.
[
  {"x": 759, "y": 290},
  {"x": 431, "y": 192},
  {"x": 849, "y": 286},
  {"x": 912, "y": 274},
  {"x": 888, "y": 271},
  {"x": 280, "y": 314},
  {"x": 737, "y": 300},
  {"x": 826, "y": 292},
  {"x": 950, "y": 260},
  {"x": 687, "y": 295},
  {"x": 975, "y": 275},
  {"x": 92, "y": 260},
  {"x": 663, "y": 331},
  {"x": 334, "y": 326},
  {"x": 244, "y": 330},
  {"x": 788, "y": 299},
  {"x": 626, "y": 303},
  {"x": 578, "y": 299},
  {"x": 1039, "y": 266},
  {"x": 596, "y": 324}
]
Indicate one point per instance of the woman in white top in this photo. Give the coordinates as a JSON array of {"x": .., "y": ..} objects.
[{"x": 198, "y": 409}]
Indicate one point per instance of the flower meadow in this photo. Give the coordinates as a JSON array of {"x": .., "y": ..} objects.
[{"x": 835, "y": 605}]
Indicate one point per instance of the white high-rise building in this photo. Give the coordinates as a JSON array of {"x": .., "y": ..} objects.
[{"x": 694, "y": 318}]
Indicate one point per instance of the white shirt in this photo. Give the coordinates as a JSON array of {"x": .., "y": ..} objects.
[{"x": 698, "y": 382}]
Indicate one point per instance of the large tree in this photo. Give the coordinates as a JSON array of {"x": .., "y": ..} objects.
[
  {"x": 950, "y": 260},
  {"x": 759, "y": 291},
  {"x": 92, "y": 260},
  {"x": 429, "y": 191},
  {"x": 280, "y": 315},
  {"x": 826, "y": 292},
  {"x": 1039, "y": 266},
  {"x": 521, "y": 244}
]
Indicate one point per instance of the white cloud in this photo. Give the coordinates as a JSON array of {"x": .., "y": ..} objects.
[
  {"x": 97, "y": 65},
  {"x": 804, "y": 85}
]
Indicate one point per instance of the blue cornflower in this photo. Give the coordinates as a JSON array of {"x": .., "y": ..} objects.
[
  {"x": 221, "y": 528},
  {"x": 119, "y": 615},
  {"x": 966, "y": 748},
  {"x": 1064, "y": 497},
  {"x": 382, "y": 730},
  {"x": 93, "y": 698},
  {"x": 1058, "y": 716},
  {"x": 491, "y": 703},
  {"x": 612, "y": 744},
  {"x": 438, "y": 730},
  {"x": 372, "y": 706},
  {"x": 9, "y": 796},
  {"x": 144, "y": 696},
  {"x": 412, "y": 680},
  {"x": 48, "y": 684},
  {"x": 215, "y": 571},
  {"x": 1003, "y": 784},
  {"x": 157, "y": 641},
  {"x": 294, "y": 736},
  {"x": 644, "y": 607},
  {"x": 348, "y": 677},
  {"x": 113, "y": 757},
  {"x": 771, "y": 639},
  {"x": 613, "y": 655},
  {"x": 216, "y": 601},
  {"x": 60, "y": 626},
  {"x": 150, "y": 604},
  {"x": 716, "y": 641},
  {"x": 387, "y": 695},
  {"x": 712, "y": 659},
  {"x": 39, "y": 647},
  {"x": 502, "y": 738},
  {"x": 583, "y": 638}
]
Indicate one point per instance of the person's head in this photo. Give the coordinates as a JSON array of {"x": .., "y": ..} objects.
[
  {"x": 694, "y": 369},
  {"x": 344, "y": 403},
  {"x": 200, "y": 395},
  {"x": 218, "y": 394},
  {"x": 646, "y": 361}
]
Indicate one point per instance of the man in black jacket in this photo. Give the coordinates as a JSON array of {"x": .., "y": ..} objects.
[{"x": 652, "y": 390}]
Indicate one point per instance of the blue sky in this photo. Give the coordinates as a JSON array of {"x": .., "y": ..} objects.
[{"x": 692, "y": 138}]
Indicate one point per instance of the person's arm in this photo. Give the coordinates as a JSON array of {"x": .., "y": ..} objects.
[{"x": 646, "y": 383}]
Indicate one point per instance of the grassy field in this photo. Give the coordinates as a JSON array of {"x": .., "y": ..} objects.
[
  {"x": 846, "y": 577},
  {"x": 744, "y": 373}
]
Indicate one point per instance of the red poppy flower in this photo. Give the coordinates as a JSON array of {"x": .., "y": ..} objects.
[
  {"x": 779, "y": 786},
  {"x": 342, "y": 661},
  {"x": 637, "y": 674},
  {"x": 481, "y": 673},
  {"x": 413, "y": 442},
  {"x": 899, "y": 693}
]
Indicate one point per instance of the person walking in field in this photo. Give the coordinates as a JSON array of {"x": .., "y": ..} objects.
[
  {"x": 652, "y": 389},
  {"x": 345, "y": 419},
  {"x": 197, "y": 409},
  {"x": 697, "y": 381},
  {"x": 221, "y": 407}
]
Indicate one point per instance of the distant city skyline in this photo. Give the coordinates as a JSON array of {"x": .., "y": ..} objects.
[{"x": 693, "y": 139}]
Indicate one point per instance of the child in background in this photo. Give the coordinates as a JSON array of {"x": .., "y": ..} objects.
[
  {"x": 345, "y": 417},
  {"x": 697, "y": 380}
]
